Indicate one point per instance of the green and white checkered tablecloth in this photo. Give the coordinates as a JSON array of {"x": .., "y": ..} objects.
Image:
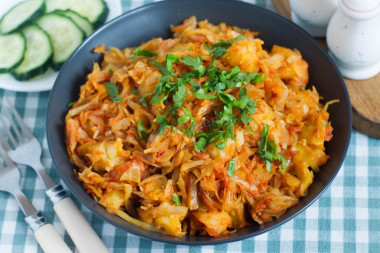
[{"x": 346, "y": 218}]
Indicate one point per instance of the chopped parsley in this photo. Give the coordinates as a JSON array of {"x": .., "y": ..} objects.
[
  {"x": 163, "y": 122},
  {"x": 219, "y": 49},
  {"x": 223, "y": 43},
  {"x": 113, "y": 92},
  {"x": 179, "y": 95},
  {"x": 69, "y": 105},
  {"x": 231, "y": 168},
  {"x": 176, "y": 199},
  {"x": 163, "y": 70},
  {"x": 110, "y": 71},
  {"x": 185, "y": 117},
  {"x": 326, "y": 124},
  {"x": 134, "y": 91},
  {"x": 144, "y": 52},
  {"x": 200, "y": 145},
  {"x": 141, "y": 130},
  {"x": 267, "y": 150},
  {"x": 222, "y": 129},
  {"x": 172, "y": 87}
]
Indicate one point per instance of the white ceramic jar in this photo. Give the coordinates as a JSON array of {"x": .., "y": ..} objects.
[
  {"x": 313, "y": 15},
  {"x": 353, "y": 38}
]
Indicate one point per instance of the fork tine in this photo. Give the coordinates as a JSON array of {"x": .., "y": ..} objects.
[
  {"x": 4, "y": 142},
  {"x": 22, "y": 124},
  {"x": 13, "y": 125},
  {"x": 9, "y": 134},
  {"x": 5, "y": 157}
]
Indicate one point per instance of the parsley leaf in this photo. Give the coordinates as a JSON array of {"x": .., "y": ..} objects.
[
  {"x": 190, "y": 131},
  {"x": 201, "y": 94},
  {"x": 162, "y": 69},
  {"x": 179, "y": 96},
  {"x": 223, "y": 43},
  {"x": 140, "y": 129},
  {"x": 267, "y": 150},
  {"x": 113, "y": 92},
  {"x": 176, "y": 199},
  {"x": 326, "y": 124},
  {"x": 69, "y": 105},
  {"x": 186, "y": 118},
  {"x": 170, "y": 59},
  {"x": 134, "y": 91},
  {"x": 142, "y": 99},
  {"x": 144, "y": 52},
  {"x": 163, "y": 122},
  {"x": 200, "y": 145},
  {"x": 218, "y": 52},
  {"x": 195, "y": 63},
  {"x": 219, "y": 48},
  {"x": 110, "y": 71},
  {"x": 231, "y": 168},
  {"x": 227, "y": 98}
]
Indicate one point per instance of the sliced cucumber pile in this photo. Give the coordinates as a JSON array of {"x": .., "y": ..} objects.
[
  {"x": 12, "y": 49},
  {"x": 21, "y": 15},
  {"x": 81, "y": 21},
  {"x": 96, "y": 11},
  {"x": 65, "y": 36},
  {"x": 38, "y": 34},
  {"x": 38, "y": 54}
]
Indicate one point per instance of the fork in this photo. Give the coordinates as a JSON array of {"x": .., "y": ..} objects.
[
  {"x": 27, "y": 150},
  {"x": 46, "y": 236}
]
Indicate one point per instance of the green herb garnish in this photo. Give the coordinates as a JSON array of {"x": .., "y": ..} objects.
[
  {"x": 141, "y": 130},
  {"x": 171, "y": 86},
  {"x": 163, "y": 70},
  {"x": 223, "y": 43},
  {"x": 144, "y": 52},
  {"x": 179, "y": 95},
  {"x": 176, "y": 199},
  {"x": 134, "y": 91},
  {"x": 170, "y": 59},
  {"x": 200, "y": 145},
  {"x": 195, "y": 63},
  {"x": 231, "y": 168},
  {"x": 326, "y": 124},
  {"x": 110, "y": 71},
  {"x": 187, "y": 117},
  {"x": 219, "y": 49},
  {"x": 113, "y": 92},
  {"x": 267, "y": 150},
  {"x": 163, "y": 122}
]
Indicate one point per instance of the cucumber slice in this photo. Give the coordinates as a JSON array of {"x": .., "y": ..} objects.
[
  {"x": 38, "y": 54},
  {"x": 81, "y": 21},
  {"x": 96, "y": 11},
  {"x": 64, "y": 34},
  {"x": 12, "y": 49},
  {"x": 21, "y": 15}
]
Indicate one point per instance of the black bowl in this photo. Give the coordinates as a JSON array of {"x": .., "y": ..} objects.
[{"x": 153, "y": 20}]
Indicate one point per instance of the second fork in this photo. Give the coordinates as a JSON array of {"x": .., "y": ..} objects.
[
  {"x": 46, "y": 236},
  {"x": 27, "y": 150}
]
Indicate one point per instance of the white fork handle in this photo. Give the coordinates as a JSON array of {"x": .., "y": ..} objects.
[
  {"x": 50, "y": 241},
  {"x": 80, "y": 231}
]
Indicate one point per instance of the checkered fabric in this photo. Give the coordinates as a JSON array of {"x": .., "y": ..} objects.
[{"x": 346, "y": 218}]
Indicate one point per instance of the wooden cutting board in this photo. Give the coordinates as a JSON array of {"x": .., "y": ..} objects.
[{"x": 364, "y": 94}]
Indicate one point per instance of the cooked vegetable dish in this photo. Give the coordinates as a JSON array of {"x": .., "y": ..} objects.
[{"x": 202, "y": 133}]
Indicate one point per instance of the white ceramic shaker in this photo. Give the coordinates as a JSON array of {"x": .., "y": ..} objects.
[
  {"x": 353, "y": 38},
  {"x": 313, "y": 15}
]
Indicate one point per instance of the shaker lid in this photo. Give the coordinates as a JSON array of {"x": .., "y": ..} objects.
[{"x": 360, "y": 9}]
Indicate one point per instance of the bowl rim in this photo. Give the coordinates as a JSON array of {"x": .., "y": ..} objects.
[{"x": 205, "y": 242}]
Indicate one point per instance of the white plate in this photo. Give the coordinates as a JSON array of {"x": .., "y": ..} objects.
[{"x": 43, "y": 82}]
